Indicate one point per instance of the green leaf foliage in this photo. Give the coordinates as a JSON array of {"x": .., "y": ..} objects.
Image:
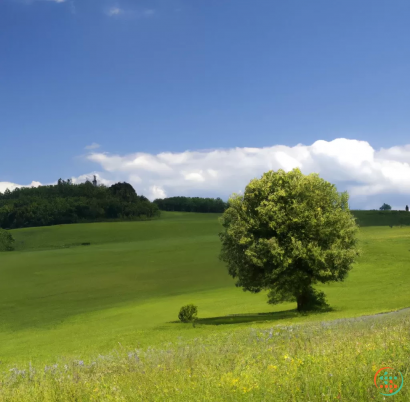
[
  {"x": 188, "y": 313},
  {"x": 191, "y": 204},
  {"x": 71, "y": 203},
  {"x": 286, "y": 233},
  {"x": 6, "y": 241}
]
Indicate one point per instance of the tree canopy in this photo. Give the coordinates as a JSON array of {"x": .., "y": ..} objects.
[
  {"x": 71, "y": 203},
  {"x": 385, "y": 207},
  {"x": 123, "y": 191},
  {"x": 286, "y": 233},
  {"x": 191, "y": 204}
]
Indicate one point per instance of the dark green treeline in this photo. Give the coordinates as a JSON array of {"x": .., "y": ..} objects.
[
  {"x": 72, "y": 203},
  {"x": 191, "y": 204}
]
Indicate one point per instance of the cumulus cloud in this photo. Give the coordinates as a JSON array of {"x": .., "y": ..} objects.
[
  {"x": 4, "y": 185},
  {"x": 94, "y": 145},
  {"x": 369, "y": 175},
  {"x": 90, "y": 177},
  {"x": 156, "y": 192}
]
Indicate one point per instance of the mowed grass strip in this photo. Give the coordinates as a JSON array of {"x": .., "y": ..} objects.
[{"x": 61, "y": 299}]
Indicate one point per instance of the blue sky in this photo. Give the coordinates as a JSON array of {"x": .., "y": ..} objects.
[{"x": 172, "y": 76}]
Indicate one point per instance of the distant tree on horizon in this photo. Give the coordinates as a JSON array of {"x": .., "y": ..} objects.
[
  {"x": 124, "y": 191},
  {"x": 407, "y": 208},
  {"x": 385, "y": 207}
]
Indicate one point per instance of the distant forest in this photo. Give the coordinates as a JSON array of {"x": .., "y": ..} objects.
[
  {"x": 381, "y": 217},
  {"x": 66, "y": 202},
  {"x": 191, "y": 204}
]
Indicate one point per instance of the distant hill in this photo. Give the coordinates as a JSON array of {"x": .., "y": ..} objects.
[
  {"x": 381, "y": 218},
  {"x": 72, "y": 203}
]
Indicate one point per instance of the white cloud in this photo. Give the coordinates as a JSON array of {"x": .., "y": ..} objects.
[
  {"x": 4, "y": 185},
  {"x": 90, "y": 177},
  {"x": 94, "y": 145},
  {"x": 156, "y": 192},
  {"x": 80, "y": 179},
  {"x": 194, "y": 176},
  {"x": 350, "y": 164},
  {"x": 370, "y": 176},
  {"x": 114, "y": 11}
]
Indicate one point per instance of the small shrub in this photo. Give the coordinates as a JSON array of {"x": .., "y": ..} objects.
[
  {"x": 6, "y": 241},
  {"x": 188, "y": 313}
]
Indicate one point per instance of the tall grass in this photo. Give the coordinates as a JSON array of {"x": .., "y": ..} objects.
[{"x": 330, "y": 361}]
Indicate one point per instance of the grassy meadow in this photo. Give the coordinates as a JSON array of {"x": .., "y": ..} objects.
[
  {"x": 328, "y": 361},
  {"x": 98, "y": 321}
]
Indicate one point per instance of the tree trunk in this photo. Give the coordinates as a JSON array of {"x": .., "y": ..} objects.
[{"x": 302, "y": 299}]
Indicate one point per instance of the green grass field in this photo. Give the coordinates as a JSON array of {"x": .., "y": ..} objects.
[{"x": 61, "y": 301}]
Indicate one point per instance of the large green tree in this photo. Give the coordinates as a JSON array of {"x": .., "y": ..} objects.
[{"x": 285, "y": 234}]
